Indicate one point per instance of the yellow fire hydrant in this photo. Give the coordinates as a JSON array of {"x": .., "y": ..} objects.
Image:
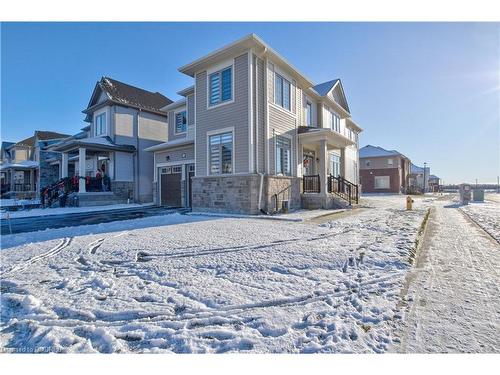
[{"x": 409, "y": 203}]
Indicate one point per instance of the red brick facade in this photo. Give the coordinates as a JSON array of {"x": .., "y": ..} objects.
[{"x": 367, "y": 179}]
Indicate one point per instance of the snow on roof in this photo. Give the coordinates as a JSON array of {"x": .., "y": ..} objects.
[
  {"x": 370, "y": 151},
  {"x": 20, "y": 164},
  {"x": 417, "y": 170}
]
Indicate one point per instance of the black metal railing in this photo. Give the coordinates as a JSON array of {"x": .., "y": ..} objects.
[
  {"x": 280, "y": 198},
  {"x": 311, "y": 184},
  {"x": 343, "y": 188}
]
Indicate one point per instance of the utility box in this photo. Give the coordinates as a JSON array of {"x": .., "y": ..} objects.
[
  {"x": 478, "y": 195},
  {"x": 465, "y": 191}
]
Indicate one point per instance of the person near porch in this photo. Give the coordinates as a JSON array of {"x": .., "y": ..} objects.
[{"x": 100, "y": 180}]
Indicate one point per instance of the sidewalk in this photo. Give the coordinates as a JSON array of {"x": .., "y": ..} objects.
[{"x": 454, "y": 290}]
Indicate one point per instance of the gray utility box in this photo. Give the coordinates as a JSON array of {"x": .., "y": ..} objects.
[
  {"x": 465, "y": 190},
  {"x": 478, "y": 195}
]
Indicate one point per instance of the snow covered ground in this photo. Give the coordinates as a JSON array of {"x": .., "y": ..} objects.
[
  {"x": 182, "y": 283},
  {"x": 454, "y": 289},
  {"x": 486, "y": 215}
]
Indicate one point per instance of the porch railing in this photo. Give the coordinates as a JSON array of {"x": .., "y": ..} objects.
[
  {"x": 279, "y": 198},
  {"x": 311, "y": 184},
  {"x": 343, "y": 188},
  {"x": 16, "y": 187}
]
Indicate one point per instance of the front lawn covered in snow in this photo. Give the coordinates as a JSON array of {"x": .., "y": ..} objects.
[
  {"x": 198, "y": 284},
  {"x": 486, "y": 215}
]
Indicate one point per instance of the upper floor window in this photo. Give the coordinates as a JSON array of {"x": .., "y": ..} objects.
[
  {"x": 220, "y": 86},
  {"x": 221, "y": 153},
  {"x": 334, "y": 121},
  {"x": 13, "y": 154},
  {"x": 390, "y": 162},
  {"x": 309, "y": 114},
  {"x": 368, "y": 163},
  {"x": 283, "y": 156},
  {"x": 100, "y": 124},
  {"x": 282, "y": 91},
  {"x": 180, "y": 122}
]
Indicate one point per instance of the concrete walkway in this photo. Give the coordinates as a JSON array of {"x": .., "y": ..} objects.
[{"x": 455, "y": 288}]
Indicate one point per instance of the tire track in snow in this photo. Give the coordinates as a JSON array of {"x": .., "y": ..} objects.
[{"x": 65, "y": 242}]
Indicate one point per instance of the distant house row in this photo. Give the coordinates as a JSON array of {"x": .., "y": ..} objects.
[
  {"x": 389, "y": 171},
  {"x": 251, "y": 134}
]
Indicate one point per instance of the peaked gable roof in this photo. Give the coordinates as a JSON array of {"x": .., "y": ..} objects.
[
  {"x": 125, "y": 94},
  {"x": 28, "y": 142},
  {"x": 44, "y": 135},
  {"x": 325, "y": 88}
]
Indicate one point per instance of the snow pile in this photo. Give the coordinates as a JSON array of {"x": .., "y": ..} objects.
[{"x": 213, "y": 285}]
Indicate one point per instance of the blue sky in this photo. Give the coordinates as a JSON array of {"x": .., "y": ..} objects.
[{"x": 430, "y": 91}]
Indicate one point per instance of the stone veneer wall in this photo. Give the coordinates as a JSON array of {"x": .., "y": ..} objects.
[
  {"x": 123, "y": 189},
  {"x": 276, "y": 184},
  {"x": 240, "y": 193},
  {"x": 48, "y": 173},
  {"x": 231, "y": 193}
]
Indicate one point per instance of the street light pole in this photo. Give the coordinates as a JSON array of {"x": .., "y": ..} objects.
[{"x": 425, "y": 164}]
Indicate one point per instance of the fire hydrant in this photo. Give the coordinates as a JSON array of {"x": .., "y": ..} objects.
[{"x": 409, "y": 203}]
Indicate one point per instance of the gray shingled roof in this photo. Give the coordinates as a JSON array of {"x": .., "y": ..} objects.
[
  {"x": 370, "y": 151},
  {"x": 123, "y": 93},
  {"x": 325, "y": 87}
]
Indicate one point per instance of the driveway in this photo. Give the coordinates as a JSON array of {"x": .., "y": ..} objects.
[
  {"x": 37, "y": 223},
  {"x": 454, "y": 289}
]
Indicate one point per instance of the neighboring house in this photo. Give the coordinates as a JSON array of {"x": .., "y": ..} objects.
[
  {"x": 253, "y": 132},
  {"x": 24, "y": 168},
  {"x": 383, "y": 171},
  {"x": 434, "y": 183},
  {"x": 419, "y": 178},
  {"x": 123, "y": 121}
]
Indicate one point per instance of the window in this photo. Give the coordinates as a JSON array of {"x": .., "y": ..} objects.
[
  {"x": 177, "y": 169},
  {"x": 334, "y": 121},
  {"x": 180, "y": 122},
  {"x": 221, "y": 153},
  {"x": 220, "y": 86},
  {"x": 309, "y": 114},
  {"x": 335, "y": 165},
  {"x": 100, "y": 124},
  {"x": 368, "y": 163},
  {"x": 382, "y": 182},
  {"x": 390, "y": 162},
  {"x": 283, "y": 155},
  {"x": 281, "y": 91}
]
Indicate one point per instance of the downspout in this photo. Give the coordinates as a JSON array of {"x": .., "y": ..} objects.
[{"x": 136, "y": 164}]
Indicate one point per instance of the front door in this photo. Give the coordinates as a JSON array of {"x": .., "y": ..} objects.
[
  {"x": 308, "y": 163},
  {"x": 170, "y": 187}
]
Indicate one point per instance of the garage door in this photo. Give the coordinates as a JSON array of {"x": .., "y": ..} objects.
[{"x": 171, "y": 189}]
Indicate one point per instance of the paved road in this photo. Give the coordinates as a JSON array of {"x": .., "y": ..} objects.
[
  {"x": 455, "y": 288},
  {"x": 30, "y": 224}
]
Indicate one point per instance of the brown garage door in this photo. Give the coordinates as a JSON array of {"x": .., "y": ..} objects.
[{"x": 171, "y": 190}]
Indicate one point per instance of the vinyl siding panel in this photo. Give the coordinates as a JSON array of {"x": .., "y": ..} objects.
[
  {"x": 152, "y": 127},
  {"x": 260, "y": 118},
  {"x": 124, "y": 167},
  {"x": 175, "y": 155},
  {"x": 190, "y": 109},
  {"x": 234, "y": 114}
]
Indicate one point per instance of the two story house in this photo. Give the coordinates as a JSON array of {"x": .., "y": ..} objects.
[
  {"x": 122, "y": 120},
  {"x": 24, "y": 164},
  {"x": 383, "y": 171},
  {"x": 254, "y": 134}
]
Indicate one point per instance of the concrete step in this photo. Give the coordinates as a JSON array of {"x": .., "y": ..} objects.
[{"x": 99, "y": 199}]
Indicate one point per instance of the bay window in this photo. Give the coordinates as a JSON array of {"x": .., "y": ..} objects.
[
  {"x": 334, "y": 122},
  {"x": 100, "y": 124}
]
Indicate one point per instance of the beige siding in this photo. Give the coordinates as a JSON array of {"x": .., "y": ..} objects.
[
  {"x": 124, "y": 121},
  {"x": 234, "y": 114},
  {"x": 379, "y": 162},
  {"x": 152, "y": 127}
]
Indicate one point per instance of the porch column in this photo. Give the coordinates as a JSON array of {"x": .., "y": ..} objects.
[
  {"x": 12, "y": 172},
  {"x": 64, "y": 165},
  {"x": 32, "y": 178},
  {"x": 81, "y": 169},
  {"x": 323, "y": 167},
  {"x": 342, "y": 162}
]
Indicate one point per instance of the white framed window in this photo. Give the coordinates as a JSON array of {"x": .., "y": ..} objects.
[
  {"x": 282, "y": 91},
  {"x": 220, "y": 86},
  {"x": 100, "y": 124},
  {"x": 283, "y": 155},
  {"x": 334, "y": 122},
  {"x": 220, "y": 152},
  {"x": 382, "y": 182},
  {"x": 180, "y": 122},
  {"x": 335, "y": 165},
  {"x": 309, "y": 113},
  {"x": 390, "y": 162}
]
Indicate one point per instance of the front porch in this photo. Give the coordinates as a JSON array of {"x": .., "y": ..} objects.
[
  {"x": 18, "y": 180},
  {"x": 324, "y": 167},
  {"x": 102, "y": 170}
]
